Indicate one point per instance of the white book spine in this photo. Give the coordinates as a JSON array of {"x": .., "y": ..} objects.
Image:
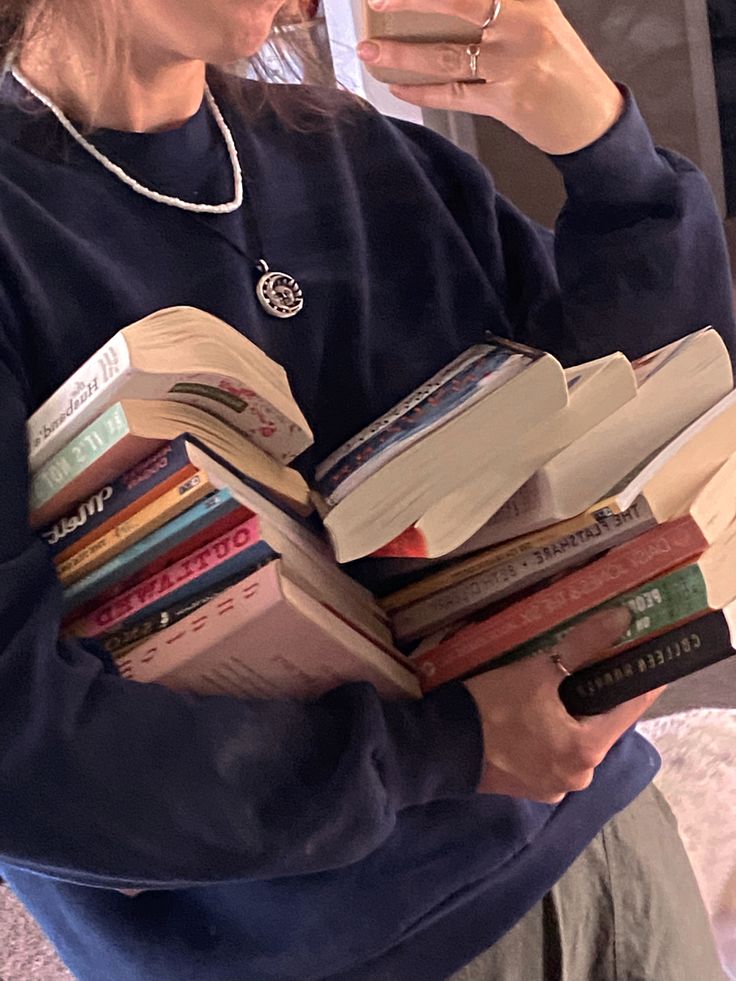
[
  {"x": 78, "y": 401},
  {"x": 109, "y": 376}
]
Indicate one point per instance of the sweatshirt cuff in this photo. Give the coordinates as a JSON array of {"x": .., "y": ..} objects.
[
  {"x": 620, "y": 167},
  {"x": 439, "y": 747}
]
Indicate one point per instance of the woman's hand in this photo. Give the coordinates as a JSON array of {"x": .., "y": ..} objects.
[
  {"x": 541, "y": 80},
  {"x": 533, "y": 747}
]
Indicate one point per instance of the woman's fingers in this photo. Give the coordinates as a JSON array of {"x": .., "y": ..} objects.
[
  {"x": 476, "y": 12},
  {"x": 543, "y": 82},
  {"x": 591, "y": 640},
  {"x": 454, "y": 96},
  {"x": 441, "y": 60},
  {"x": 585, "y": 644},
  {"x": 533, "y": 747}
]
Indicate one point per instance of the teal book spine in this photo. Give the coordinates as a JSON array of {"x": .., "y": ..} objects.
[{"x": 84, "y": 450}]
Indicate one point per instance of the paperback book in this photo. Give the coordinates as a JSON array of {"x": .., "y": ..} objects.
[
  {"x": 185, "y": 355},
  {"x": 692, "y": 590}
]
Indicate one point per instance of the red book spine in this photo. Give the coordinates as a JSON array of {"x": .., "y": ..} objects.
[
  {"x": 179, "y": 551},
  {"x": 191, "y": 567},
  {"x": 623, "y": 568}
]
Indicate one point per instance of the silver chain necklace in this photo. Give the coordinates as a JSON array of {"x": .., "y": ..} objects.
[{"x": 278, "y": 293}]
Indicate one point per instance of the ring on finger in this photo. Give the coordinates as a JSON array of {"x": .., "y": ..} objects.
[
  {"x": 493, "y": 15},
  {"x": 473, "y": 53},
  {"x": 557, "y": 661}
]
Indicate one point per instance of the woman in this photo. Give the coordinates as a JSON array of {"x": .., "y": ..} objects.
[{"x": 482, "y": 829}]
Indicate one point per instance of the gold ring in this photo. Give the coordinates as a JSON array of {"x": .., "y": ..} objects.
[
  {"x": 557, "y": 661},
  {"x": 493, "y": 16}
]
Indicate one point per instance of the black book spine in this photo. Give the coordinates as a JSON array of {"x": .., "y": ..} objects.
[{"x": 659, "y": 661}]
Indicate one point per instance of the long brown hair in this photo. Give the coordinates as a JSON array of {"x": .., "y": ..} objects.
[{"x": 293, "y": 47}]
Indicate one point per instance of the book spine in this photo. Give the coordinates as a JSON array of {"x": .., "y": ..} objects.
[
  {"x": 678, "y": 653},
  {"x": 129, "y": 532},
  {"x": 509, "y": 576},
  {"x": 546, "y": 552},
  {"x": 192, "y": 518},
  {"x": 170, "y": 580},
  {"x": 231, "y": 570},
  {"x": 144, "y": 626},
  {"x": 481, "y": 377},
  {"x": 241, "y": 602},
  {"x": 656, "y": 606},
  {"x": 622, "y": 569},
  {"x": 264, "y": 638},
  {"x": 469, "y": 357},
  {"x": 71, "y": 461},
  {"x": 134, "y": 489},
  {"x": 82, "y": 396},
  {"x": 201, "y": 524},
  {"x": 566, "y": 539}
]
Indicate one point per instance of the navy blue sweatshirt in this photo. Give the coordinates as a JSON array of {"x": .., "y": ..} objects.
[{"x": 341, "y": 839}]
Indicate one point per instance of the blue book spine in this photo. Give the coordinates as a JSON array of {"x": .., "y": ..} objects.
[
  {"x": 203, "y": 514},
  {"x": 481, "y": 375},
  {"x": 239, "y": 566},
  {"x": 117, "y": 495}
]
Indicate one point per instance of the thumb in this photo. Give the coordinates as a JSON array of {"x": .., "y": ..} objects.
[{"x": 592, "y": 639}]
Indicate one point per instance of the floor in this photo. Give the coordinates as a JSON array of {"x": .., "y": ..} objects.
[
  {"x": 25, "y": 954},
  {"x": 714, "y": 687}
]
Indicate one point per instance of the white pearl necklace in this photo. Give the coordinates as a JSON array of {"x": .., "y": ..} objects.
[
  {"x": 147, "y": 192},
  {"x": 278, "y": 293}
]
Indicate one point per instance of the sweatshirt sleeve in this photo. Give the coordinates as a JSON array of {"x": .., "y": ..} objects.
[
  {"x": 109, "y": 782},
  {"x": 637, "y": 258}
]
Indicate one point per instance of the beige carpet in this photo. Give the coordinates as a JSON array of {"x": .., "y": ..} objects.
[
  {"x": 698, "y": 778},
  {"x": 25, "y": 954}
]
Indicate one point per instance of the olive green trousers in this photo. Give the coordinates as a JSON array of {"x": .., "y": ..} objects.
[{"x": 628, "y": 909}]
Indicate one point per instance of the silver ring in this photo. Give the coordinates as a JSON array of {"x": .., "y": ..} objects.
[
  {"x": 473, "y": 53},
  {"x": 557, "y": 661},
  {"x": 493, "y": 16}
]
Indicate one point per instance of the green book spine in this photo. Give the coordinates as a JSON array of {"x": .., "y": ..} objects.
[
  {"x": 66, "y": 465},
  {"x": 656, "y": 607}
]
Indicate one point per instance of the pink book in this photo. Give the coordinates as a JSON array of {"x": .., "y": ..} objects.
[
  {"x": 193, "y": 566},
  {"x": 265, "y": 638}
]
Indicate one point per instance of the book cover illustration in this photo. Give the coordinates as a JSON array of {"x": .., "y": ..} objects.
[{"x": 424, "y": 410}]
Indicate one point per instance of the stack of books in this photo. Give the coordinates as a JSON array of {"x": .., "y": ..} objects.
[
  {"x": 639, "y": 510},
  {"x": 490, "y": 510},
  {"x": 160, "y": 482}
]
